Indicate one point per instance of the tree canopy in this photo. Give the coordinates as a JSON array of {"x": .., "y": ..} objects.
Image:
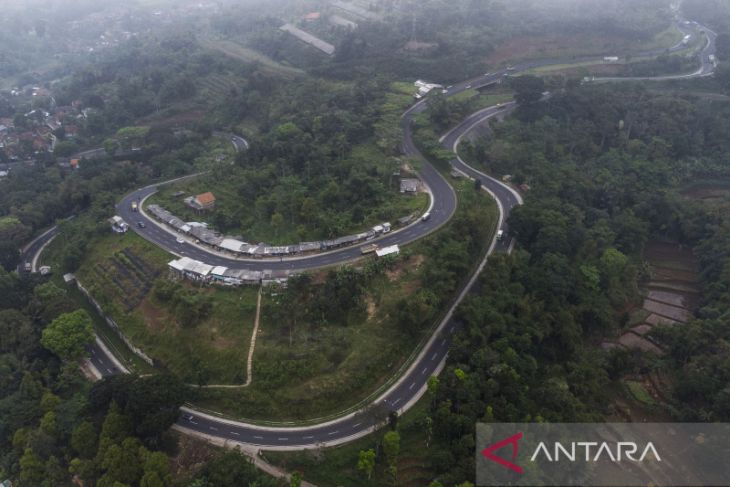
[{"x": 68, "y": 335}]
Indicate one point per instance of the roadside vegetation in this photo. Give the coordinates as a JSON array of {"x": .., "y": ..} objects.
[
  {"x": 330, "y": 339},
  {"x": 202, "y": 335},
  {"x": 373, "y": 460},
  {"x": 54, "y": 424},
  {"x": 605, "y": 171},
  {"x": 326, "y": 167}
]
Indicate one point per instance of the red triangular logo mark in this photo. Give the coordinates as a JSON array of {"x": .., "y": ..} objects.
[{"x": 512, "y": 440}]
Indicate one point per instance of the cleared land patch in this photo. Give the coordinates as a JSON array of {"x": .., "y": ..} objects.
[
  {"x": 245, "y": 54},
  {"x": 200, "y": 334},
  {"x": 308, "y": 368},
  {"x": 576, "y": 44},
  {"x": 670, "y": 296}
]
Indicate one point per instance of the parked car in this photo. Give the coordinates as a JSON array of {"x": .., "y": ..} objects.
[{"x": 141, "y": 225}]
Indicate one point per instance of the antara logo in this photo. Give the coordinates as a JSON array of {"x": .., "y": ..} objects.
[
  {"x": 589, "y": 451},
  {"x": 512, "y": 440}
]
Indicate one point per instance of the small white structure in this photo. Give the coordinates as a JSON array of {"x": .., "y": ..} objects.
[
  {"x": 44, "y": 270},
  {"x": 424, "y": 88},
  {"x": 409, "y": 185},
  {"x": 391, "y": 250},
  {"x": 232, "y": 245},
  {"x": 192, "y": 269},
  {"x": 118, "y": 224},
  {"x": 382, "y": 228},
  {"x": 308, "y": 38},
  {"x": 611, "y": 59},
  {"x": 69, "y": 278}
]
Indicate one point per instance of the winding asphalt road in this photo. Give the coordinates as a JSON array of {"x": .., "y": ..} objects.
[{"x": 412, "y": 384}]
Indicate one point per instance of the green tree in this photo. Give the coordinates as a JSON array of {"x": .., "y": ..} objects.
[
  {"x": 68, "y": 335},
  {"x": 121, "y": 462},
  {"x": 295, "y": 480},
  {"x": 277, "y": 223},
  {"x": 65, "y": 148},
  {"x": 55, "y": 474},
  {"x": 83, "y": 439},
  {"x": 366, "y": 462},
  {"x": 114, "y": 429},
  {"x": 156, "y": 471},
  {"x": 391, "y": 447},
  {"x": 32, "y": 470},
  {"x": 528, "y": 89}
]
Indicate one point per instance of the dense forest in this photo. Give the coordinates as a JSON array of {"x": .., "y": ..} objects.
[
  {"x": 54, "y": 424},
  {"x": 323, "y": 164},
  {"x": 603, "y": 164}
]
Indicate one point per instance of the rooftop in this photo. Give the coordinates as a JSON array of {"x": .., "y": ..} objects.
[{"x": 205, "y": 198}]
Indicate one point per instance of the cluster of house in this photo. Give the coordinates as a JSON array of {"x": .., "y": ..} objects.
[
  {"x": 41, "y": 129},
  {"x": 195, "y": 270},
  {"x": 205, "y": 235},
  {"x": 423, "y": 88}
]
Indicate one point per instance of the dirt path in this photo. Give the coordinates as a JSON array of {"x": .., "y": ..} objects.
[
  {"x": 249, "y": 360},
  {"x": 252, "y": 346}
]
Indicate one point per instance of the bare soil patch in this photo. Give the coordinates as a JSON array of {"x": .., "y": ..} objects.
[
  {"x": 668, "y": 251},
  {"x": 707, "y": 191},
  {"x": 672, "y": 312},
  {"x": 525, "y": 47},
  {"x": 192, "y": 454},
  {"x": 632, "y": 340},
  {"x": 154, "y": 317},
  {"x": 642, "y": 329},
  {"x": 420, "y": 46},
  {"x": 593, "y": 70},
  {"x": 668, "y": 297},
  {"x": 655, "y": 320},
  {"x": 672, "y": 294},
  {"x": 370, "y": 306},
  {"x": 218, "y": 341},
  {"x": 403, "y": 266},
  {"x": 182, "y": 119}
]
